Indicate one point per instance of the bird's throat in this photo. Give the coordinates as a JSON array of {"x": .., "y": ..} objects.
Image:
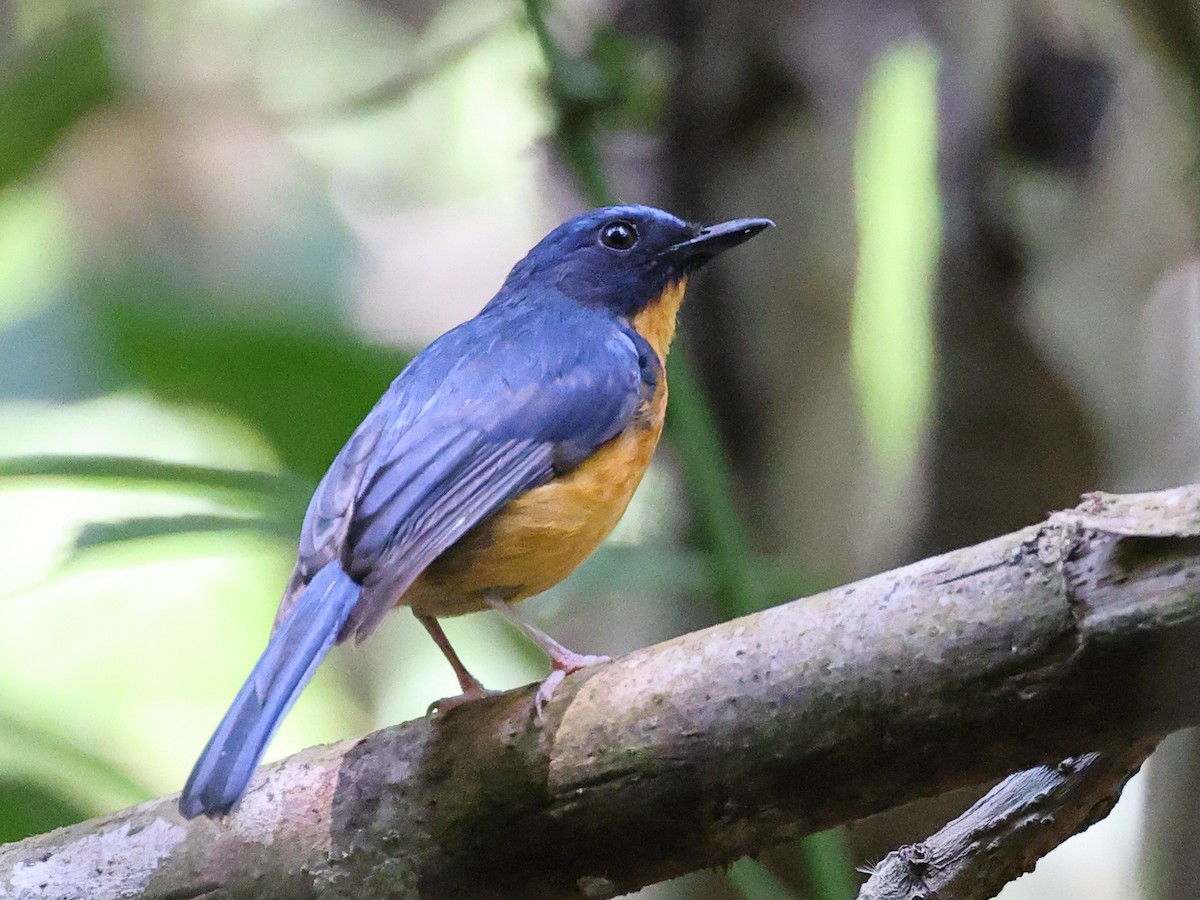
[{"x": 656, "y": 321}]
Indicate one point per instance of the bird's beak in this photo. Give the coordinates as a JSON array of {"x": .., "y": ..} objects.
[{"x": 714, "y": 239}]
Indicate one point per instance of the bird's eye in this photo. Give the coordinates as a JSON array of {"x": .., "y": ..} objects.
[{"x": 618, "y": 235}]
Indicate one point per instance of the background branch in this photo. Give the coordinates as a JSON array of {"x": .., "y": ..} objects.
[
  {"x": 1007, "y": 831},
  {"x": 952, "y": 671}
]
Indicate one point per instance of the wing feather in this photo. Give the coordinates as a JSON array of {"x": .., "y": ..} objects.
[{"x": 485, "y": 413}]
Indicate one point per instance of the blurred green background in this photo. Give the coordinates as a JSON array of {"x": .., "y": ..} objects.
[{"x": 226, "y": 225}]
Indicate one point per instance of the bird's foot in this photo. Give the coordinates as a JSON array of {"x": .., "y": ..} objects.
[
  {"x": 475, "y": 692},
  {"x": 564, "y": 664}
]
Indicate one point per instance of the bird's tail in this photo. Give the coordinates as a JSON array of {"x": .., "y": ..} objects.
[{"x": 295, "y": 650}]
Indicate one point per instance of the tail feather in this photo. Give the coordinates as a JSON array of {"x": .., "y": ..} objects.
[{"x": 295, "y": 650}]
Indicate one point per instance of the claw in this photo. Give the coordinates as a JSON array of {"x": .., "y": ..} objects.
[
  {"x": 443, "y": 706},
  {"x": 564, "y": 665},
  {"x": 545, "y": 691}
]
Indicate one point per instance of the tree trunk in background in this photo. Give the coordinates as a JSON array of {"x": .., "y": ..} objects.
[
  {"x": 780, "y": 83},
  {"x": 1166, "y": 440},
  {"x": 1010, "y": 439}
]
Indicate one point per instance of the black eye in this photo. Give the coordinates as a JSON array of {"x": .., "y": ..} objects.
[{"x": 618, "y": 235}]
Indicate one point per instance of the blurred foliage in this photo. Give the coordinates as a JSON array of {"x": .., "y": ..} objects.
[
  {"x": 612, "y": 81},
  {"x": 304, "y": 389},
  {"x": 46, "y": 87},
  {"x": 263, "y": 503},
  {"x": 29, "y": 807},
  {"x": 756, "y": 882},
  {"x": 897, "y": 209},
  {"x": 692, "y": 428},
  {"x": 1174, "y": 25},
  {"x": 161, "y": 426},
  {"x": 433, "y": 58},
  {"x": 120, "y": 470}
]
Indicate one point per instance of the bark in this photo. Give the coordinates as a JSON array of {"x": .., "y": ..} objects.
[
  {"x": 1048, "y": 642},
  {"x": 1008, "y": 830}
]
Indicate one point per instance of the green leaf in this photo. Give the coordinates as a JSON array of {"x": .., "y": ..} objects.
[
  {"x": 829, "y": 864},
  {"x": 29, "y": 807},
  {"x": 45, "y": 88},
  {"x": 103, "y": 534},
  {"x": 304, "y": 384},
  {"x": 133, "y": 471},
  {"x": 42, "y": 769},
  {"x": 754, "y": 881},
  {"x": 694, "y": 434}
]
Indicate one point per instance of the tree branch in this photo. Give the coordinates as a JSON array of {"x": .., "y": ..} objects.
[
  {"x": 1007, "y": 831},
  {"x": 959, "y": 669}
]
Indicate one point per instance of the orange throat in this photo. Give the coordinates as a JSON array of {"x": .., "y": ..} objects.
[{"x": 656, "y": 321}]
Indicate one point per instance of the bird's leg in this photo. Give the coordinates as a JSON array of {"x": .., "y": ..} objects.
[
  {"x": 472, "y": 688},
  {"x": 563, "y": 660}
]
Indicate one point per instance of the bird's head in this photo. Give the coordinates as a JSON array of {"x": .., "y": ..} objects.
[{"x": 623, "y": 258}]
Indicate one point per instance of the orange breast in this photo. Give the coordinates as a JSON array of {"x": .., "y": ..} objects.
[{"x": 539, "y": 538}]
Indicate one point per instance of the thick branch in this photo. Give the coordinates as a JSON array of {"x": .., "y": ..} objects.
[{"x": 958, "y": 669}]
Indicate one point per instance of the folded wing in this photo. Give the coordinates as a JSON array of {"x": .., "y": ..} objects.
[{"x": 481, "y": 416}]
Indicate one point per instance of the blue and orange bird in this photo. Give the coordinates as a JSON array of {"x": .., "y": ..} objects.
[{"x": 495, "y": 463}]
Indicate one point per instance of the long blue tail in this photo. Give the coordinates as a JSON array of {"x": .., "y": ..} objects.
[{"x": 295, "y": 650}]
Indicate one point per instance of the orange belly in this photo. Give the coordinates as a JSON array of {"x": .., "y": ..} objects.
[{"x": 541, "y": 537}]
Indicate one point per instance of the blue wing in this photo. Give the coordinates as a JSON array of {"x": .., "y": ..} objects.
[{"x": 486, "y": 412}]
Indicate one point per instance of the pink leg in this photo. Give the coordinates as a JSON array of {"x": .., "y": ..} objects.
[
  {"x": 472, "y": 688},
  {"x": 564, "y": 661}
]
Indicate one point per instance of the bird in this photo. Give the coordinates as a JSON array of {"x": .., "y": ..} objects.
[{"x": 494, "y": 464}]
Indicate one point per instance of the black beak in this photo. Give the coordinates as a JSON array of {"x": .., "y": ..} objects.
[{"x": 714, "y": 239}]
